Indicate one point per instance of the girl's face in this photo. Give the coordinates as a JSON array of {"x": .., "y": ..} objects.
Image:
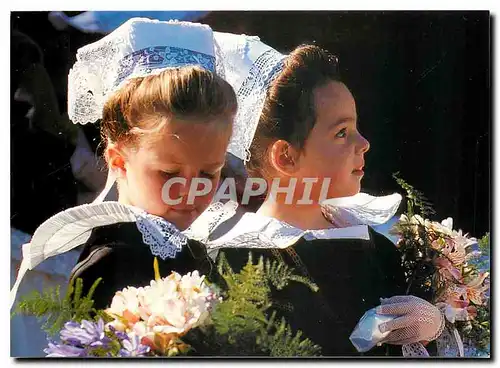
[
  {"x": 334, "y": 149},
  {"x": 185, "y": 151}
]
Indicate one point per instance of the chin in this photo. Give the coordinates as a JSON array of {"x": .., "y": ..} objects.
[
  {"x": 181, "y": 220},
  {"x": 179, "y": 223},
  {"x": 348, "y": 192},
  {"x": 182, "y": 226}
]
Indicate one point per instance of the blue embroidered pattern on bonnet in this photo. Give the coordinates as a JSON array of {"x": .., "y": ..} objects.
[{"x": 162, "y": 57}]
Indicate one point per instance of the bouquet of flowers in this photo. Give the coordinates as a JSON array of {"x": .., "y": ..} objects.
[
  {"x": 443, "y": 266},
  {"x": 175, "y": 315}
]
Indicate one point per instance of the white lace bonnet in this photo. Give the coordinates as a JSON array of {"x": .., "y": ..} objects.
[
  {"x": 249, "y": 66},
  {"x": 138, "y": 48}
]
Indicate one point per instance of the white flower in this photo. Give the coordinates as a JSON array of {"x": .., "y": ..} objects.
[
  {"x": 173, "y": 317},
  {"x": 142, "y": 330},
  {"x": 172, "y": 305},
  {"x": 441, "y": 228},
  {"x": 176, "y": 304},
  {"x": 463, "y": 240},
  {"x": 125, "y": 304},
  {"x": 448, "y": 223},
  {"x": 161, "y": 289},
  {"x": 192, "y": 284},
  {"x": 411, "y": 223}
]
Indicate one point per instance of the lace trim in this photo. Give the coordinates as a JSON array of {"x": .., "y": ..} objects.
[
  {"x": 262, "y": 73},
  {"x": 163, "y": 238},
  {"x": 248, "y": 240},
  {"x": 350, "y": 216},
  {"x": 418, "y": 349},
  {"x": 250, "y": 66},
  {"x": 210, "y": 219},
  {"x": 142, "y": 62},
  {"x": 277, "y": 234},
  {"x": 137, "y": 48},
  {"x": 270, "y": 233},
  {"x": 415, "y": 350},
  {"x": 449, "y": 344},
  {"x": 441, "y": 327}
]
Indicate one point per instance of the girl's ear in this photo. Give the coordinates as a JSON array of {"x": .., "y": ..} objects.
[
  {"x": 284, "y": 157},
  {"x": 116, "y": 159}
]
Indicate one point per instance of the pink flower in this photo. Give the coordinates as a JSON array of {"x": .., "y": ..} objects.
[
  {"x": 476, "y": 288},
  {"x": 455, "y": 295},
  {"x": 454, "y": 251},
  {"x": 447, "y": 270}
]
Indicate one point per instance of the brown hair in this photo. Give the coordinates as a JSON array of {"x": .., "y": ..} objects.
[
  {"x": 289, "y": 111},
  {"x": 145, "y": 104}
]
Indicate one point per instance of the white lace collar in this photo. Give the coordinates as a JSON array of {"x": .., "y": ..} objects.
[
  {"x": 73, "y": 227},
  {"x": 208, "y": 221},
  {"x": 351, "y": 215},
  {"x": 258, "y": 231},
  {"x": 361, "y": 209},
  {"x": 163, "y": 237}
]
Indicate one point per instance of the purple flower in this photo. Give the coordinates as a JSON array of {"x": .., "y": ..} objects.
[
  {"x": 132, "y": 347},
  {"x": 63, "y": 351},
  {"x": 120, "y": 335},
  {"x": 85, "y": 334}
]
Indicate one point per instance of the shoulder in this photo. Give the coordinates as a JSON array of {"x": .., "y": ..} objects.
[{"x": 109, "y": 250}]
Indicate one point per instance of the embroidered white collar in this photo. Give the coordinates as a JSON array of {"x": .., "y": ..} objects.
[
  {"x": 73, "y": 227},
  {"x": 350, "y": 215}
]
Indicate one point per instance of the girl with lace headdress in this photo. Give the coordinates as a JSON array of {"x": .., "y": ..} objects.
[
  {"x": 164, "y": 114},
  {"x": 296, "y": 120}
]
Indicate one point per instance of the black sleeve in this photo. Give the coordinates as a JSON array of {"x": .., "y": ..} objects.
[
  {"x": 119, "y": 266},
  {"x": 100, "y": 263},
  {"x": 390, "y": 262}
]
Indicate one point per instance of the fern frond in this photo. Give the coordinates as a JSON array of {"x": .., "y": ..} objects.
[
  {"x": 48, "y": 306},
  {"x": 415, "y": 199},
  {"x": 244, "y": 318},
  {"x": 280, "y": 341},
  {"x": 280, "y": 275}
]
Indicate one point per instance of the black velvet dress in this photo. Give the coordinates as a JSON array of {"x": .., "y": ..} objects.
[
  {"x": 352, "y": 276},
  {"x": 118, "y": 255}
]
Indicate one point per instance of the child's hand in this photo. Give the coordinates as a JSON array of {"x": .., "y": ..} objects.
[{"x": 418, "y": 320}]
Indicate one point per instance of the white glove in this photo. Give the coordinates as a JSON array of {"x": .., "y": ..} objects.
[{"x": 418, "y": 320}]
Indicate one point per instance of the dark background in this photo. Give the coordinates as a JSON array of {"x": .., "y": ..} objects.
[{"x": 421, "y": 82}]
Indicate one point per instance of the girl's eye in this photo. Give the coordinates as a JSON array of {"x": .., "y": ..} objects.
[
  {"x": 342, "y": 133},
  {"x": 170, "y": 173},
  {"x": 208, "y": 175}
]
